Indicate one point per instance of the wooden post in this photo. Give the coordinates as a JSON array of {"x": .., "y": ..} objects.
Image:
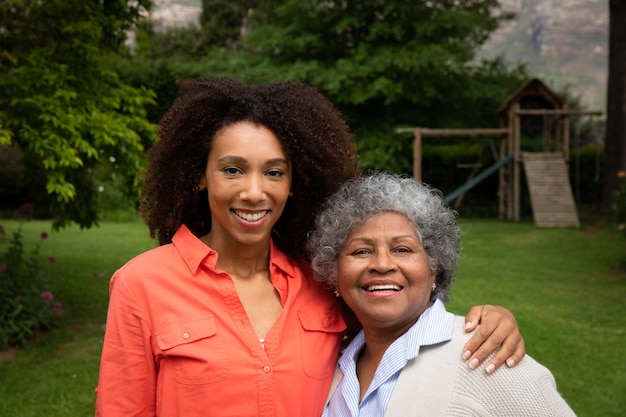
[
  {"x": 558, "y": 138},
  {"x": 502, "y": 183},
  {"x": 546, "y": 133},
  {"x": 516, "y": 162},
  {"x": 566, "y": 138},
  {"x": 417, "y": 154},
  {"x": 510, "y": 150}
]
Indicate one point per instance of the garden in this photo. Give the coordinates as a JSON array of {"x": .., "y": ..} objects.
[
  {"x": 80, "y": 105},
  {"x": 566, "y": 288}
]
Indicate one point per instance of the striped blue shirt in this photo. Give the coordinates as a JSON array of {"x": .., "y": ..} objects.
[{"x": 434, "y": 326}]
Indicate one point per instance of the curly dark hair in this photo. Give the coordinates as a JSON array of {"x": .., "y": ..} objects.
[{"x": 313, "y": 133}]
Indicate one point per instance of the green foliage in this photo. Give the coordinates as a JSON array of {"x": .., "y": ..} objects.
[
  {"x": 173, "y": 43},
  {"x": 222, "y": 21},
  {"x": 26, "y": 301},
  {"x": 113, "y": 204},
  {"x": 384, "y": 64},
  {"x": 140, "y": 71},
  {"x": 585, "y": 168},
  {"x": 63, "y": 106},
  {"x": 357, "y": 51}
]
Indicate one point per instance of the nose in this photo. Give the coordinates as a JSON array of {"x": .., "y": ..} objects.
[
  {"x": 382, "y": 262},
  {"x": 253, "y": 190}
]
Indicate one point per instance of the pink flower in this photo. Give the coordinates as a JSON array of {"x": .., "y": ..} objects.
[
  {"x": 3, "y": 268},
  {"x": 46, "y": 297},
  {"x": 52, "y": 258},
  {"x": 44, "y": 235},
  {"x": 58, "y": 306},
  {"x": 24, "y": 212}
]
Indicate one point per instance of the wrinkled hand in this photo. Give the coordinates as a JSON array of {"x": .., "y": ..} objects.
[{"x": 498, "y": 329}]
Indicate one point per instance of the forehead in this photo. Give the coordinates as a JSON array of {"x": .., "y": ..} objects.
[
  {"x": 388, "y": 222},
  {"x": 248, "y": 140}
]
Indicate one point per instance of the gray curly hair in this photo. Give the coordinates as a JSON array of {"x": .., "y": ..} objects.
[{"x": 378, "y": 192}]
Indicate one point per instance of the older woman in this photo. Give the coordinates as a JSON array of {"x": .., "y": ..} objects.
[{"x": 389, "y": 247}]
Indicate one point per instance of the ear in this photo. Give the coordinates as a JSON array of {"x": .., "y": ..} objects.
[{"x": 202, "y": 185}]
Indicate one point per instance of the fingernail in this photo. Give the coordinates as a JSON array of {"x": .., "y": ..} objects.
[
  {"x": 467, "y": 354},
  {"x": 490, "y": 368},
  {"x": 474, "y": 363},
  {"x": 510, "y": 362},
  {"x": 468, "y": 325}
]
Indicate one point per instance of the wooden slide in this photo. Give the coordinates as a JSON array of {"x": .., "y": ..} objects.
[{"x": 550, "y": 190}]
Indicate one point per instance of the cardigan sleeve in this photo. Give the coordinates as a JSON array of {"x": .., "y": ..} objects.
[
  {"x": 528, "y": 390},
  {"x": 439, "y": 383}
]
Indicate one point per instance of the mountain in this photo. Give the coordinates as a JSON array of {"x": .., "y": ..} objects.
[{"x": 562, "y": 42}]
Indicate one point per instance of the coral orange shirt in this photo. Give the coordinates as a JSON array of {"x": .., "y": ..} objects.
[{"x": 179, "y": 343}]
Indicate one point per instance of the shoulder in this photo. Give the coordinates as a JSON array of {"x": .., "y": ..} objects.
[
  {"x": 145, "y": 264},
  {"x": 443, "y": 382},
  {"x": 158, "y": 255},
  {"x": 528, "y": 389}
]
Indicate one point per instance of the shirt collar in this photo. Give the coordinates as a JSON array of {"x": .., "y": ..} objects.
[
  {"x": 435, "y": 325},
  {"x": 195, "y": 253}
]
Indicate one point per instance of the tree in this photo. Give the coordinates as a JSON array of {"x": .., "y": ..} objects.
[
  {"x": 63, "y": 106},
  {"x": 224, "y": 21},
  {"x": 615, "y": 141},
  {"x": 383, "y": 63}
]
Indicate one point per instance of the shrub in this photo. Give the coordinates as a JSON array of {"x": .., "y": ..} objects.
[{"x": 27, "y": 303}]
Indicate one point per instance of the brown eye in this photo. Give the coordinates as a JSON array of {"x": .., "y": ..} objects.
[
  {"x": 231, "y": 171},
  {"x": 360, "y": 252}
]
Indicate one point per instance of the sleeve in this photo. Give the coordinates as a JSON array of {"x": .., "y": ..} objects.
[
  {"x": 528, "y": 390},
  {"x": 127, "y": 378}
]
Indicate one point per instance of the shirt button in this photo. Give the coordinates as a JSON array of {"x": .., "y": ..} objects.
[
  {"x": 185, "y": 335},
  {"x": 266, "y": 368}
]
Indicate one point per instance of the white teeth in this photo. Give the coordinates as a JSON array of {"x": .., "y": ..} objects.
[
  {"x": 373, "y": 288},
  {"x": 251, "y": 217}
]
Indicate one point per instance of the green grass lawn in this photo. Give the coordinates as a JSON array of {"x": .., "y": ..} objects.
[{"x": 563, "y": 285}]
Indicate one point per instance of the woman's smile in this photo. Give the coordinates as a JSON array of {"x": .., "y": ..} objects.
[{"x": 251, "y": 217}]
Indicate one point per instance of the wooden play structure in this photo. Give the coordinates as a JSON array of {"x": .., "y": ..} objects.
[{"x": 547, "y": 174}]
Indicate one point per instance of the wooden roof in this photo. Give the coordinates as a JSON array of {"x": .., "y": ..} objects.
[{"x": 533, "y": 88}]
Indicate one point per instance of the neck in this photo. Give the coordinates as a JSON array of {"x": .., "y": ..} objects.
[
  {"x": 381, "y": 335},
  {"x": 377, "y": 341},
  {"x": 375, "y": 346},
  {"x": 240, "y": 260}
]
